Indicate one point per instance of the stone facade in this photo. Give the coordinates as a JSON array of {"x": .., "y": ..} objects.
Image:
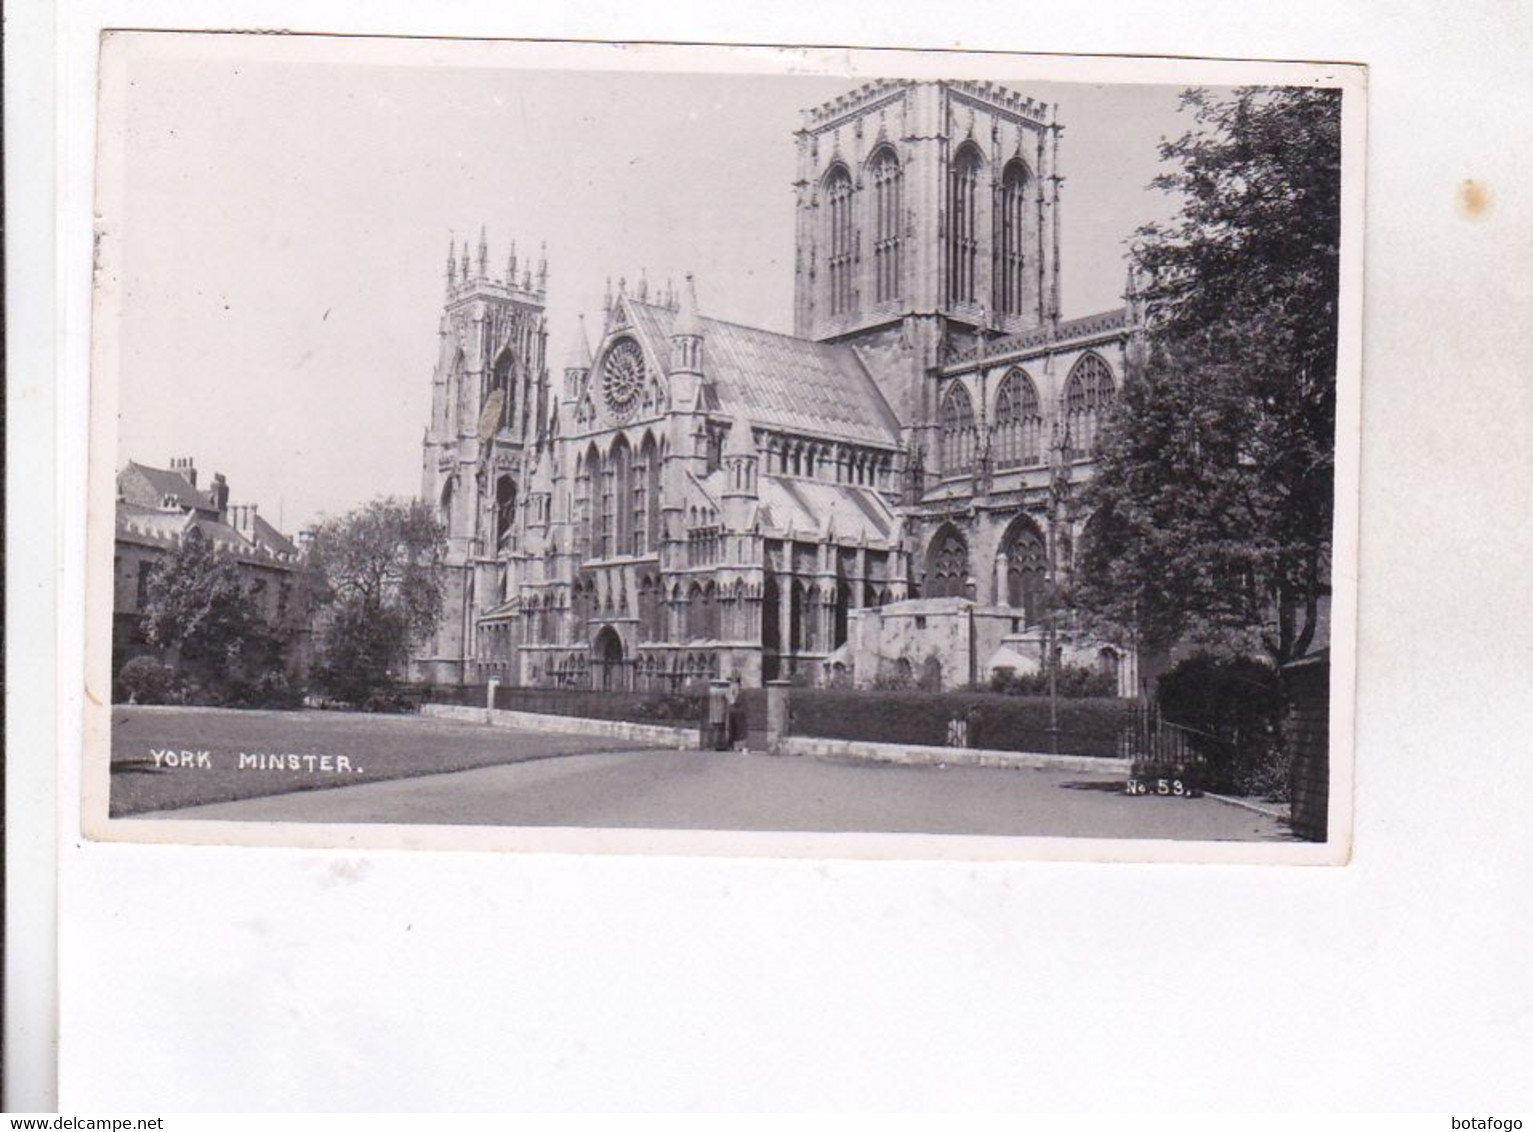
[{"x": 695, "y": 498}]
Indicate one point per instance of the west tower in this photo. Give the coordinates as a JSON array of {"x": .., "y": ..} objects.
[{"x": 489, "y": 407}]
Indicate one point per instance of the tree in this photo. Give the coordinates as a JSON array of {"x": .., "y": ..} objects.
[
  {"x": 377, "y": 582},
  {"x": 199, "y": 607},
  {"x": 1215, "y": 476}
]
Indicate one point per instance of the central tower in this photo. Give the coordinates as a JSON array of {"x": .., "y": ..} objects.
[{"x": 927, "y": 213}]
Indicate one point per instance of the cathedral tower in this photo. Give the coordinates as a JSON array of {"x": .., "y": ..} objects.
[
  {"x": 927, "y": 215},
  {"x": 489, "y": 399}
]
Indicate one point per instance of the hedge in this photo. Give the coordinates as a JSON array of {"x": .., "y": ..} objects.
[
  {"x": 685, "y": 708},
  {"x": 996, "y": 722}
]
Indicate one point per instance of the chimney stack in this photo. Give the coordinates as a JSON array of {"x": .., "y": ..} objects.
[{"x": 186, "y": 466}]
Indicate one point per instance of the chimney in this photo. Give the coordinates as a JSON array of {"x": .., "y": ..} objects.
[
  {"x": 242, "y": 518},
  {"x": 219, "y": 491},
  {"x": 186, "y": 466}
]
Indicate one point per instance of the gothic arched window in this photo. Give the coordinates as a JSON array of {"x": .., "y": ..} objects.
[
  {"x": 502, "y": 386},
  {"x": 620, "y": 460},
  {"x": 963, "y": 224},
  {"x": 838, "y": 196},
  {"x": 888, "y": 224},
  {"x": 1018, "y": 422},
  {"x": 451, "y": 422},
  {"x": 1089, "y": 393},
  {"x": 1025, "y": 554},
  {"x": 947, "y": 566},
  {"x": 505, "y": 510},
  {"x": 771, "y": 616},
  {"x": 601, "y": 496},
  {"x": 1013, "y": 268},
  {"x": 955, "y": 426}
]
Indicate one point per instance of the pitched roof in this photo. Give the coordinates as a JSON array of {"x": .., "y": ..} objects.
[
  {"x": 270, "y": 538},
  {"x": 781, "y": 382},
  {"x": 164, "y": 482},
  {"x": 805, "y": 505}
]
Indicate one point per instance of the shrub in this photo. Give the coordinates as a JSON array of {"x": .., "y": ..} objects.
[
  {"x": 1009, "y": 723},
  {"x": 1236, "y": 704},
  {"x": 1075, "y": 681},
  {"x": 667, "y": 707},
  {"x": 144, "y": 680}
]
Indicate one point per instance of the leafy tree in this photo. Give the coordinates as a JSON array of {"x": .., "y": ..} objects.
[
  {"x": 1215, "y": 477},
  {"x": 377, "y": 581},
  {"x": 199, "y": 606}
]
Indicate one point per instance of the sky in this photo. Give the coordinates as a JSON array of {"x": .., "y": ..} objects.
[{"x": 285, "y": 225}]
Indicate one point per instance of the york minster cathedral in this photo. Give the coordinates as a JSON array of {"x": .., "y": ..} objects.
[{"x": 885, "y": 494}]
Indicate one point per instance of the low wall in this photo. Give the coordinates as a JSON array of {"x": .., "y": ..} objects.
[
  {"x": 680, "y": 738},
  {"x": 911, "y": 755}
]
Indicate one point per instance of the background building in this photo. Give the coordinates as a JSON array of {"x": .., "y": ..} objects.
[
  {"x": 886, "y": 493},
  {"x": 157, "y": 508}
]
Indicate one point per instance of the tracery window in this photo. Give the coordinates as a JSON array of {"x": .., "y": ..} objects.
[
  {"x": 585, "y": 471},
  {"x": 652, "y": 494},
  {"x": 1018, "y": 440},
  {"x": 963, "y": 226},
  {"x": 1027, "y": 569},
  {"x": 947, "y": 570},
  {"x": 955, "y": 428},
  {"x": 1089, "y": 393},
  {"x": 620, "y": 461},
  {"x": 601, "y": 487},
  {"x": 1014, "y": 183},
  {"x": 888, "y": 224},
  {"x": 838, "y": 193}
]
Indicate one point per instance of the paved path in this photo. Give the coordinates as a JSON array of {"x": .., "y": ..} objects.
[{"x": 661, "y": 789}]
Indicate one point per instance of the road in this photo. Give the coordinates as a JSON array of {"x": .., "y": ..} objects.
[{"x": 566, "y": 783}]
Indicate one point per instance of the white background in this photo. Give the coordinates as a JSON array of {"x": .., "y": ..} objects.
[{"x": 278, "y": 978}]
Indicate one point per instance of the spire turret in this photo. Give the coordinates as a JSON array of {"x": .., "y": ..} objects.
[
  {"x": 741, "y": 463},
  {"x": 511, "y": 266},
  {"x": 484, "y": 254},
  {"x": 579, "y": 356},
  {"x": 688, "y": 324},
  {"x": 452, "y": 261},
  {"x": 577, "y": 363}
]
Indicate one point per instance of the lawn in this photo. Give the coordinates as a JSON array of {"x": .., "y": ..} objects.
[{"x": 218, "y": 755}]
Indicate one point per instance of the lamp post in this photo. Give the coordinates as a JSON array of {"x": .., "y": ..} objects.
[{"x": 1059, "y": 490}]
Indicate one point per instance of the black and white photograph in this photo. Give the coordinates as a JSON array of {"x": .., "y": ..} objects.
[{"x": 723, "y": 450}]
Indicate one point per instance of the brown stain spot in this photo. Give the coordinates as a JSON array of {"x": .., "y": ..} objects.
[{"x": 1473, "y": 199}]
